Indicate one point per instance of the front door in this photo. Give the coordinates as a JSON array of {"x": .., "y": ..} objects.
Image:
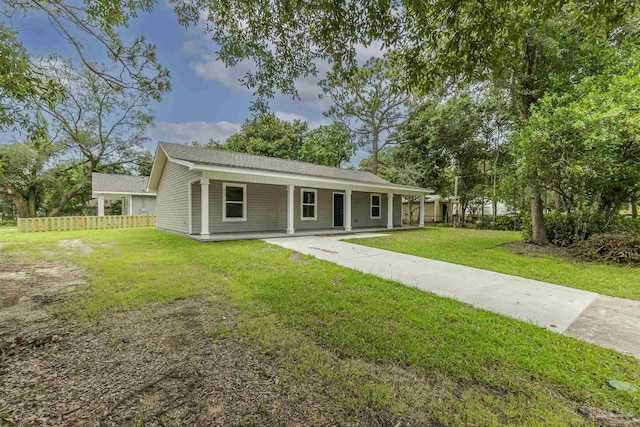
[{"x": 338, "y": 210}]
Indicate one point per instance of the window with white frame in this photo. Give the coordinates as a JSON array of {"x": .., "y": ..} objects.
[
  {"x": 309, "y": 204},
  {"x": 234, "y": 202},
  {"x": 375, "y": 206}
]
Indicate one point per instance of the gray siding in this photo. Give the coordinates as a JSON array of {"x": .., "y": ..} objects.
[
  {"x": 361, "y": 214},
  {"x": 143, "y": 205},
  {"x": 324, "y": 207},
  {"x": 266, "y": 209},
  {"x": 172, "y": 197}
]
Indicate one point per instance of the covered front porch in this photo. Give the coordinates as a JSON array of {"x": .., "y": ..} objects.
[{"x": 237, "y": 206}]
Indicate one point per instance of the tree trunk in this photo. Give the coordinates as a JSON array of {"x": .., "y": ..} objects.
[
  {"x": 31, "y": 202},
  {"x": 539, "y": 231},
  {"x": 374, "y": 152},
  {"x": 634, "y": 210}
]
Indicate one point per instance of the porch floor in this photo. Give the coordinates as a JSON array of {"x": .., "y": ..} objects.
[{"x": 222, "y": 237}]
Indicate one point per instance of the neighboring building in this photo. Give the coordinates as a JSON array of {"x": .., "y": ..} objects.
[
  {"x": 215, "y": 194},
  {"x": 130, "y": 190},
  {"x": 443, "y": 209}
]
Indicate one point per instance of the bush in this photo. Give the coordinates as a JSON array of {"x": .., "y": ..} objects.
[
  {"x": 610, "y": 248},
  {"x": 503, "y": 222},
  {"x": 568, "y": 229},
  {"x": 623, "y": 225}
]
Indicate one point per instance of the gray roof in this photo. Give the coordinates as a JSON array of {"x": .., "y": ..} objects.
[
  {"x": 214, "y": 157},
  {"x": 113, "y": 183}
]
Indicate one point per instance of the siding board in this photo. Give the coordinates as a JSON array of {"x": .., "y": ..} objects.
[{"x": 172, "y": 197}]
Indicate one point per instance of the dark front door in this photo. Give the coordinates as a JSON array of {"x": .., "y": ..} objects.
[{"x": 338, "y": 210}]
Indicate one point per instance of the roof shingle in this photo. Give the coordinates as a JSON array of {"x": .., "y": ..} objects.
[
  {"x": 114, "y": 183},
  {"x": 215, "y": 157}
]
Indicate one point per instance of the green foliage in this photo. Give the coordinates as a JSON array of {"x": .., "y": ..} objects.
[
  {"x": 615, "y": 249},
  {"x": 266, "y": 135},
  {"x": 502, "y": 222},
  {"x": 624, "y": 225},
  {"x": 583, "y": 144},
  {"x": 328, "y": 145},
  {"x": 444, "y": 140},
  {"x": 457, "y": 39}
]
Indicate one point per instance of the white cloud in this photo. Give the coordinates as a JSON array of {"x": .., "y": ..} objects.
[
  {"x": 282, "y": 115},
  {"x": 193, "y": 131}
]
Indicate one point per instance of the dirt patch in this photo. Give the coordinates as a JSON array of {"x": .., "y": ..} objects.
[
  {"x": 169, "y": 364},
  {"x": 297, "y": 257},
  {"x": 530, "y": 249},
  {"x": 75, "y": 246},
  {"x": 28, "y": 289}
]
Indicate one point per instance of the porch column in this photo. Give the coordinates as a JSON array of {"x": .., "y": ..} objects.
[
  {"x": 101, "y": 206},
  {"x": 130, "y": 205},
  {"x": 421, "y": 224},
  {"x": 290, "y": 205},
  {"x": 204, "y": 205},
  {"x": 437, "y": 210},
  {"x": 389, "y": 211},
  {"x": 347, "y": 210}
]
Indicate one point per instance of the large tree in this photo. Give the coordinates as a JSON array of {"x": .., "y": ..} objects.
[
  {"x": 98, "y": 125},
  {"x": 369, "y": 102},
  {"x": 583, "y": 144},
  {"x": 444, "y": 139}
]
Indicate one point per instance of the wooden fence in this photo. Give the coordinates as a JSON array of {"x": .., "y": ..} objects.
[{"x": 64, "y": 223}]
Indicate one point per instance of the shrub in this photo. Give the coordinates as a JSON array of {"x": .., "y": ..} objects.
[
  {"x": 503, "y": 222},
  {"x": 622, "y": 225},
  {"x": 565, "y": 229},
  {"x": 617, "y": 249}
]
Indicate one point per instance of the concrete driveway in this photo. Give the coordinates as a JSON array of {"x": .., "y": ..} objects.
[{"x": 606, "y": 321}]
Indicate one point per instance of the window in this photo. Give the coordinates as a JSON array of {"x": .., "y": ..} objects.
[
  {"x": 234, "y": 202},
  {"x": 309, "y": 200},
  {"x": 375, "y": 206}
]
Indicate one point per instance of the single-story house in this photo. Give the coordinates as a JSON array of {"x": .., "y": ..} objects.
[
  {"x": 213, "y": 194},
  {"x": 130, "y": 190}
]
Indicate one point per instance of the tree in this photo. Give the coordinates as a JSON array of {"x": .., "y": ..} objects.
[
  {"x": 267, "y": 135},
  {"x": 99, "y": 126},
  {"x": 583, "y": 144},
  {"x": 444, "y": 139},
  {"x": 369, "y": 102},
  {"x": 328, "y": 145},
  {"x": 24, "y": 178}
]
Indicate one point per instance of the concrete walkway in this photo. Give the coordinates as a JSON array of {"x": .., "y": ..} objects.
[{"x": 606, "y": 321}]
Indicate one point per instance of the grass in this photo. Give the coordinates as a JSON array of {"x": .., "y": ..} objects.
[
  {"x": 373, "y": 344},
  {"x": 486, "y": 249}
]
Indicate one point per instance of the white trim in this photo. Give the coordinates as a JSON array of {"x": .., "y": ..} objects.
[
  {"x": 371, "y": 205},
  {"x": 347, "y": 210},
  {"x": 333, "y": 208},
  {"x": 224, "y": 201},
  {"x": 130, "y": 205},
  {"x": 291, "y": 191},
  {"x": 125, "y": 193},
  {"x": 421, "y": 221},
  {"x": 190, "y": 227},
  {"x": 389, "y": 211},
  {"x": 204, "y": 206},
  {"x": 315, "y": 204}
]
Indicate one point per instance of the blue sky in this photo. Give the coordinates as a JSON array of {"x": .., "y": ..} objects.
[{"x": 207, "y": 100}]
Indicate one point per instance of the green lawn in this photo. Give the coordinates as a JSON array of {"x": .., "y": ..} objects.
[
  {"x": 373, "y": 344},
  {"x": 485, "y": 249}
]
